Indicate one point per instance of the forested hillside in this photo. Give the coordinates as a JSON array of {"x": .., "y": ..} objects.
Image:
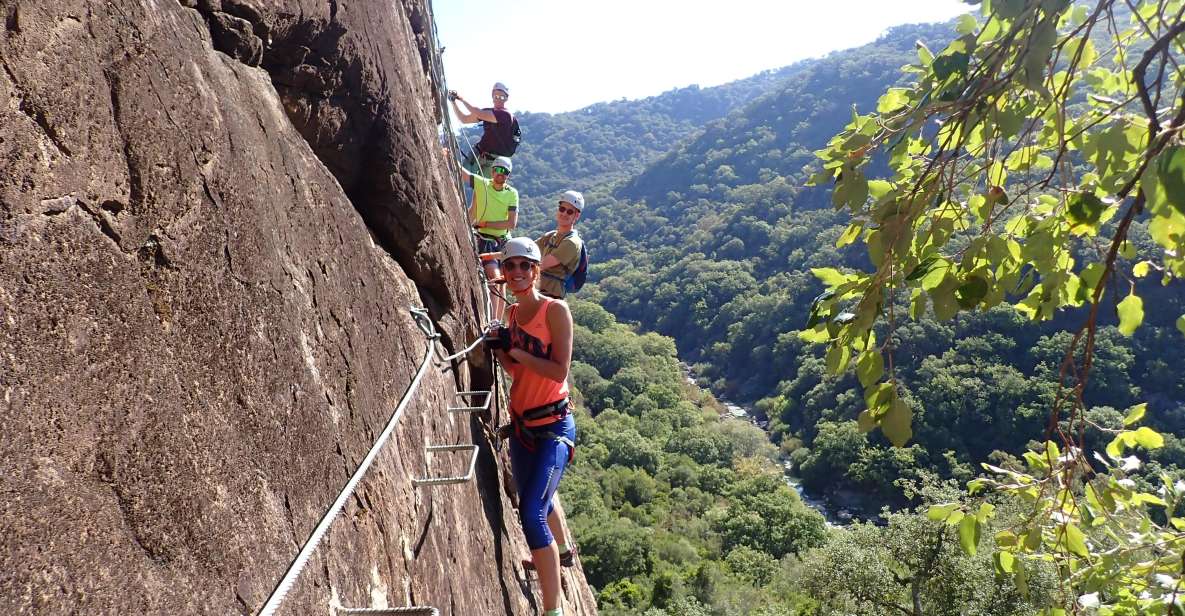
[
  {"x": 715, "y": 243},
  {"x": 681, "y": 512}
]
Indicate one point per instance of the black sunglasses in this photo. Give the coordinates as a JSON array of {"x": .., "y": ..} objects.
[
  {"x": 571, "y": 211},
  {"x": 502, "y": 170},
  {"x": 524, "y": 265}
]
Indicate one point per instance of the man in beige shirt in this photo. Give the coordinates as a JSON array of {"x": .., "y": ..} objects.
[{"x": 561, "y": 247}]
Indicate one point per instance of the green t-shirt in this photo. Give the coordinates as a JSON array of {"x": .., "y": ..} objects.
[
  {"x": 567, "y": 250},
  {"x": 493, "y": 205}
]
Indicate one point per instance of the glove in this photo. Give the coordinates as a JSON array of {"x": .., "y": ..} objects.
[
  {"x": 504, "y": 431},
  {"x": 498, "y": 339}
]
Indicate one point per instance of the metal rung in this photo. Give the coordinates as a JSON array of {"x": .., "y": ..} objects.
[
  {"x": 386, "y": 611},
  {"x": 440, "y": 481},
  {"x": 485, "y": 406}
]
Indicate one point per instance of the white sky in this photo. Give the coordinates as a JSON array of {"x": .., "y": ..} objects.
[{"x": 560, "y": 55}]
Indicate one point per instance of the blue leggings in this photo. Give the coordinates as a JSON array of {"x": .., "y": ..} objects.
[{"x": 537, "y": 475}]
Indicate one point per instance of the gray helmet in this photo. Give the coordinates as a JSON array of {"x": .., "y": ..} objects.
[
  {"x": 521, "y": 247},
  {"x": 502, "y": 161},
  {"x": 501, "y": 87},
  {"x": 574, "y": 198}
]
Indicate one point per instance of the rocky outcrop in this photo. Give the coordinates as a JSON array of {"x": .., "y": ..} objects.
[{"x": 214, "y": 216}]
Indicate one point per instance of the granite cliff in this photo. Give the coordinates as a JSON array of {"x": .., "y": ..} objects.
[{"x": 214, "y": 217}]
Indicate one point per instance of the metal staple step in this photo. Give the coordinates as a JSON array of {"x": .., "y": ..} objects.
[
  {"x": 485, "y": 406},
  {"x": 386, "y": 611},
  {"x": 440, "y": 481}
]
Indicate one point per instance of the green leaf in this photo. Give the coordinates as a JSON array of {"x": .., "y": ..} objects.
[
  {"x": 924, "y": 53},
  {"x": 1171, "y": 171},
  {"x": 1006, "y": 539},
  {"x": 946, "y": 305},
  {"x": 1076, "y": 541},
  {"x": 1131, "y": 314},
  {"x": 892, "y": 100},
  {"x": 970, "y": 293},
  {"x": 966, "y": 24},
  {"x": 1141, "y": 269},
  {"x": 879, "y": 188},
  {"x": 1148, "y": 438},
  {"x": 1086, "y": 209},
  {"x": 1091, "y": 274},
  {"x": 922, "y": 268},
  {"x": 896, "y": 423},
  {"x": 1135, "y": 413},
  {"x": 830, "y": 276},
  {"x": 969, "y": 535},
  {"x": 817, "y": 335},
  {"x": 838, "y": 357},
  {"x": 1004, "y": 561},
  {"x": 865, "y": 421},
  {"x": 939, "y": 513},
  {"x": 870, "y": 367},
  {"x": 849, "y": 235},
  {"x": 950, "y": 64},
  {"x": 1181, "y": 324},
  {"x": 1033, "y": 538},
  {"x": 1116, "y": 446}
]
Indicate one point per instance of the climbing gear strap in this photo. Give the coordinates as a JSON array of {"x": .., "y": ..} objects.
[
  {"x": 532, "y": 426},
  {"x": 544, "y": 415}
]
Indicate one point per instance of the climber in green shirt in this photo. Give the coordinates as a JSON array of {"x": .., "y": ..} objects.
[{"x": 493, "y": 211}]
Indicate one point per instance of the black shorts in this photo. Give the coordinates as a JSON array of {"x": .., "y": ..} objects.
[{"x": 486, "y": 243}]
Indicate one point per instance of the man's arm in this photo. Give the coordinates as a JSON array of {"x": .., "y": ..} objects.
[
  {"x": 565, "y": 253},
  {"x": 474, "y": 114},
  {"x": 471, "y": 179}
]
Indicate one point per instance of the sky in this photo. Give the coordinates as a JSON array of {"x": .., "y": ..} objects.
[{"x": 560, "y": 55}]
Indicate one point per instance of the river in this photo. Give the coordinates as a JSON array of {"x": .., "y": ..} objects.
[{"x": 835, "y": 516}]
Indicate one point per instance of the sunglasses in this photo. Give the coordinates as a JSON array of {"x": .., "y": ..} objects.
[
  {"x": 521, "y": 264},
  {"x": 570, "y": 211},
  {"x": 502, "y": 170},
  {"x": 500, "y": 97}
]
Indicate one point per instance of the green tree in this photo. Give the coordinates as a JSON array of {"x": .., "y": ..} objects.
[{"x": 1059, "y": 131}]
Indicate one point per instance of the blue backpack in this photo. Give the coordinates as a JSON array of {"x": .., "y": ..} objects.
[{"x": 576, "y": 279}]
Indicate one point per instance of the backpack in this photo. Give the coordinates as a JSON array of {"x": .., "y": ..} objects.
[
  {"x": 576, "y": 279},
  {"x": 516, "y": 137}
]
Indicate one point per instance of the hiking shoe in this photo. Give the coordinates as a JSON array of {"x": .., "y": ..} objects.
[{"x": 566, "y": 560}]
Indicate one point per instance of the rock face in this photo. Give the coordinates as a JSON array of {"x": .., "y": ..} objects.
[{"x": 214, "y": 216}]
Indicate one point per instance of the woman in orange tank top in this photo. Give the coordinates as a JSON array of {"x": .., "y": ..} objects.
[{"x": 536, "y": 349}]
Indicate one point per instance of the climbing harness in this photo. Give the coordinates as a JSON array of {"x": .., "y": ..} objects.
[{"x": 527, "y": 428}]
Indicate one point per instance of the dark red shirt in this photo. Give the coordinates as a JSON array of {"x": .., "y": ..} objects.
[{"x": 497, "y": 137}]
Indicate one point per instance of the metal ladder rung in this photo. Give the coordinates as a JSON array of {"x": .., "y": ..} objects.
[
  {"x": 485, "y": 406},
  {"x": 386, "y": 611},
  {"x": 440, "y": 481}
]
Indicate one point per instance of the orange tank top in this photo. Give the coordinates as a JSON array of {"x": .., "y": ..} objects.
[{"x": 530, "y": 389}]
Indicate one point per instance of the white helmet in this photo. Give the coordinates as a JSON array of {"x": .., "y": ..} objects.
[
  {"x": 574, "y": 198},
  {"x": 521, "y": 247},
  {"x": 501, "y": 87},
  {"x": 502, "y": 161}
]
